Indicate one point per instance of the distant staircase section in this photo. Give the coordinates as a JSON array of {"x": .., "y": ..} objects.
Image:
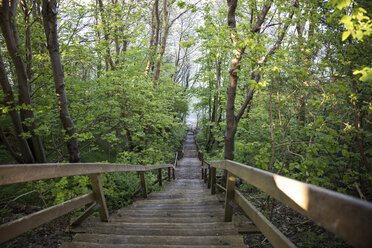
[{"x": 184, "y": 214}]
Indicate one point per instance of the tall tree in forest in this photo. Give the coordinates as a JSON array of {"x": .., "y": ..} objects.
[
  {"x": 106, "y": 34},
  {"x": 167, "y": 24},
  {"x": 8, "y": 12},
  {"x": 9, "y": 101},
  {"x": 50, "y": 26},
  {"x": 233, "y": 119},
  {"x": 154, "y": 37}
]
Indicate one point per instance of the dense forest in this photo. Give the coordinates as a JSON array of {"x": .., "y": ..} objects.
[{"x": 284, "y": 86}]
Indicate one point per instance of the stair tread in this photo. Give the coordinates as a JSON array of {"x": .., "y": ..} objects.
[
  {"x": 148, "y": 239},
  {"x": 76, "y": 244},
  {"x": 183, "y": 214}
]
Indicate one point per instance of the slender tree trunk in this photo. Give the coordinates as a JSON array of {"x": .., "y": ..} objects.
[
  {"x": 155, "y": 26},
  {"x": 27, "y": 14},
  {"x": 231, "y": 120},
  {"x": 163, "y": 42},
  {"x": 106, "y": 36},
  {"x": 9, "y": 101},
  {"x": 50, "y": 26},
  {"x": 10, "y": 32}
]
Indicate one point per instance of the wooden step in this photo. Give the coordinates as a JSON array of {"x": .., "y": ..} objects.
[
  {"x": 159, "y": 240},
  {"x": 190, "y": 214},
  {"x": 176, "y": 205},
  {"x": 175, "y": 212},
  {"x": 104, "y": 229},
  {"x": 170, "y": 219},
  {"x": 196, "y": 226},
  {"x": 178, "y": 200},
  {"x": 92, "y": 245}
]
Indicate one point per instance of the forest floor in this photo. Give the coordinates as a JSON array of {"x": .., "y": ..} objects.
[
  {"x": 299, "y": 229},
  {"x": 49, "y": 235}
]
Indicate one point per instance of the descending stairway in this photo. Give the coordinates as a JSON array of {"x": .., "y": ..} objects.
[{"x": 184, "y": 214}]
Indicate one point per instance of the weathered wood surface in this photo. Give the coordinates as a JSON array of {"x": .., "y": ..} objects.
[
  {"x": 183, "y": 214},
  {"x": 345, "y": 216},
  {"x": 276, "y": 238},
  {"x": 99, "y": 196},
  {"x": 14, "y": 228},
  {"x": 229, "y": 196},
  {"x": 19, "y": 173}
]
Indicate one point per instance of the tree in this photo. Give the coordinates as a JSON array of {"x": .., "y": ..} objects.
[
  {"x": 239, "y": 49},
  {"x": 50, "y": 26},
  {"x": 8, "y": 25}
]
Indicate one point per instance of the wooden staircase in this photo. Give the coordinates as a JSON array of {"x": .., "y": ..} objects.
[{"x": 184, "y": 214}]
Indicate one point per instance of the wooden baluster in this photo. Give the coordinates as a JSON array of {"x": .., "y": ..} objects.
[
  {"x": 201, "y": 158},
  {"x": 99, "y": 196},
  {"x": 213, "y": 180},
  {"x": 205, "y": 175},
  {"x": 160, "y": 177},
  {"x": 230, "y": 187},
  {"x": 169, "y": 174},
  {"x": 143, "y": 184},
  {"x": 209, "y": 176}
]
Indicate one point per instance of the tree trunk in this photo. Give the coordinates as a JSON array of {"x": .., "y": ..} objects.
[
  {"x": 163, "y": 42},
  {"x": 155, "y": 26},
  {"x": 231, "y": 120},
  {"x": 106, "y": 36},
  {"x": 11, "y": 37},
  {"x": 9, "y": 101},
  {"x": 50, "y": 26}
]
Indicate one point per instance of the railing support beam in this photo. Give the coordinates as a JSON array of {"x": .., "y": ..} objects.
[
  {"x": 160, "y": 177},
  {"x": 143, "y": 184},
  {"x": 230, "y": 187},
  {"x": 99, "y": 196},
  {"x": 213, "y": 180}
]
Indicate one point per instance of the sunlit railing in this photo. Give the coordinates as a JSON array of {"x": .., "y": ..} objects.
[{"x": 347, "y": 217}]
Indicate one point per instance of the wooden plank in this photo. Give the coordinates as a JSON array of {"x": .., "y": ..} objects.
[
  {"x": 99, "y": 196},
  {"x": 213, "y": 180},
  {"x": 143, "y": 184},
  {"x": 230, "y": 187},
  {"x": 29, "y": 172},
  {"x": 276, "y": 238},
  {"x": 209, "y": 176},
  {"x": 160, "y": 177},
  {"x": 93, "y": 208},
  {"x": 340, "y": 214},
  {"x": 17, "y": 227},
  {"x": 220, "y": 187}
]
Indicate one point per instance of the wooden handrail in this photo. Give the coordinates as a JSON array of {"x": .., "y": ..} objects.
[
  {"x": 17, "y": 227},
  {"x": 10, "y": 174},
  {"x": 345, "y": 216},
  {"x": 19, "y": 173}
]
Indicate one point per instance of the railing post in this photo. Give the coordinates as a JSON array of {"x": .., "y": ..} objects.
[
  {"x": 99, "y": 196},
  {"x": 169, "y": 174},
  {"x": 205, "y": 175},
  {"x": 160, "y": 179},
  {"x": 230, "y": 187},
  {"x": 213, "y": 180},
  {"x": 143, "y": 184},
  {"x": 201, "y": 158},
  {"x": 209, "y": 176}
]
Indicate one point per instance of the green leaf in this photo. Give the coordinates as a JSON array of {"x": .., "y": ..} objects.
[
  {"x": 345, "y": 35},
  {"x": 340, "y": 4}
]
